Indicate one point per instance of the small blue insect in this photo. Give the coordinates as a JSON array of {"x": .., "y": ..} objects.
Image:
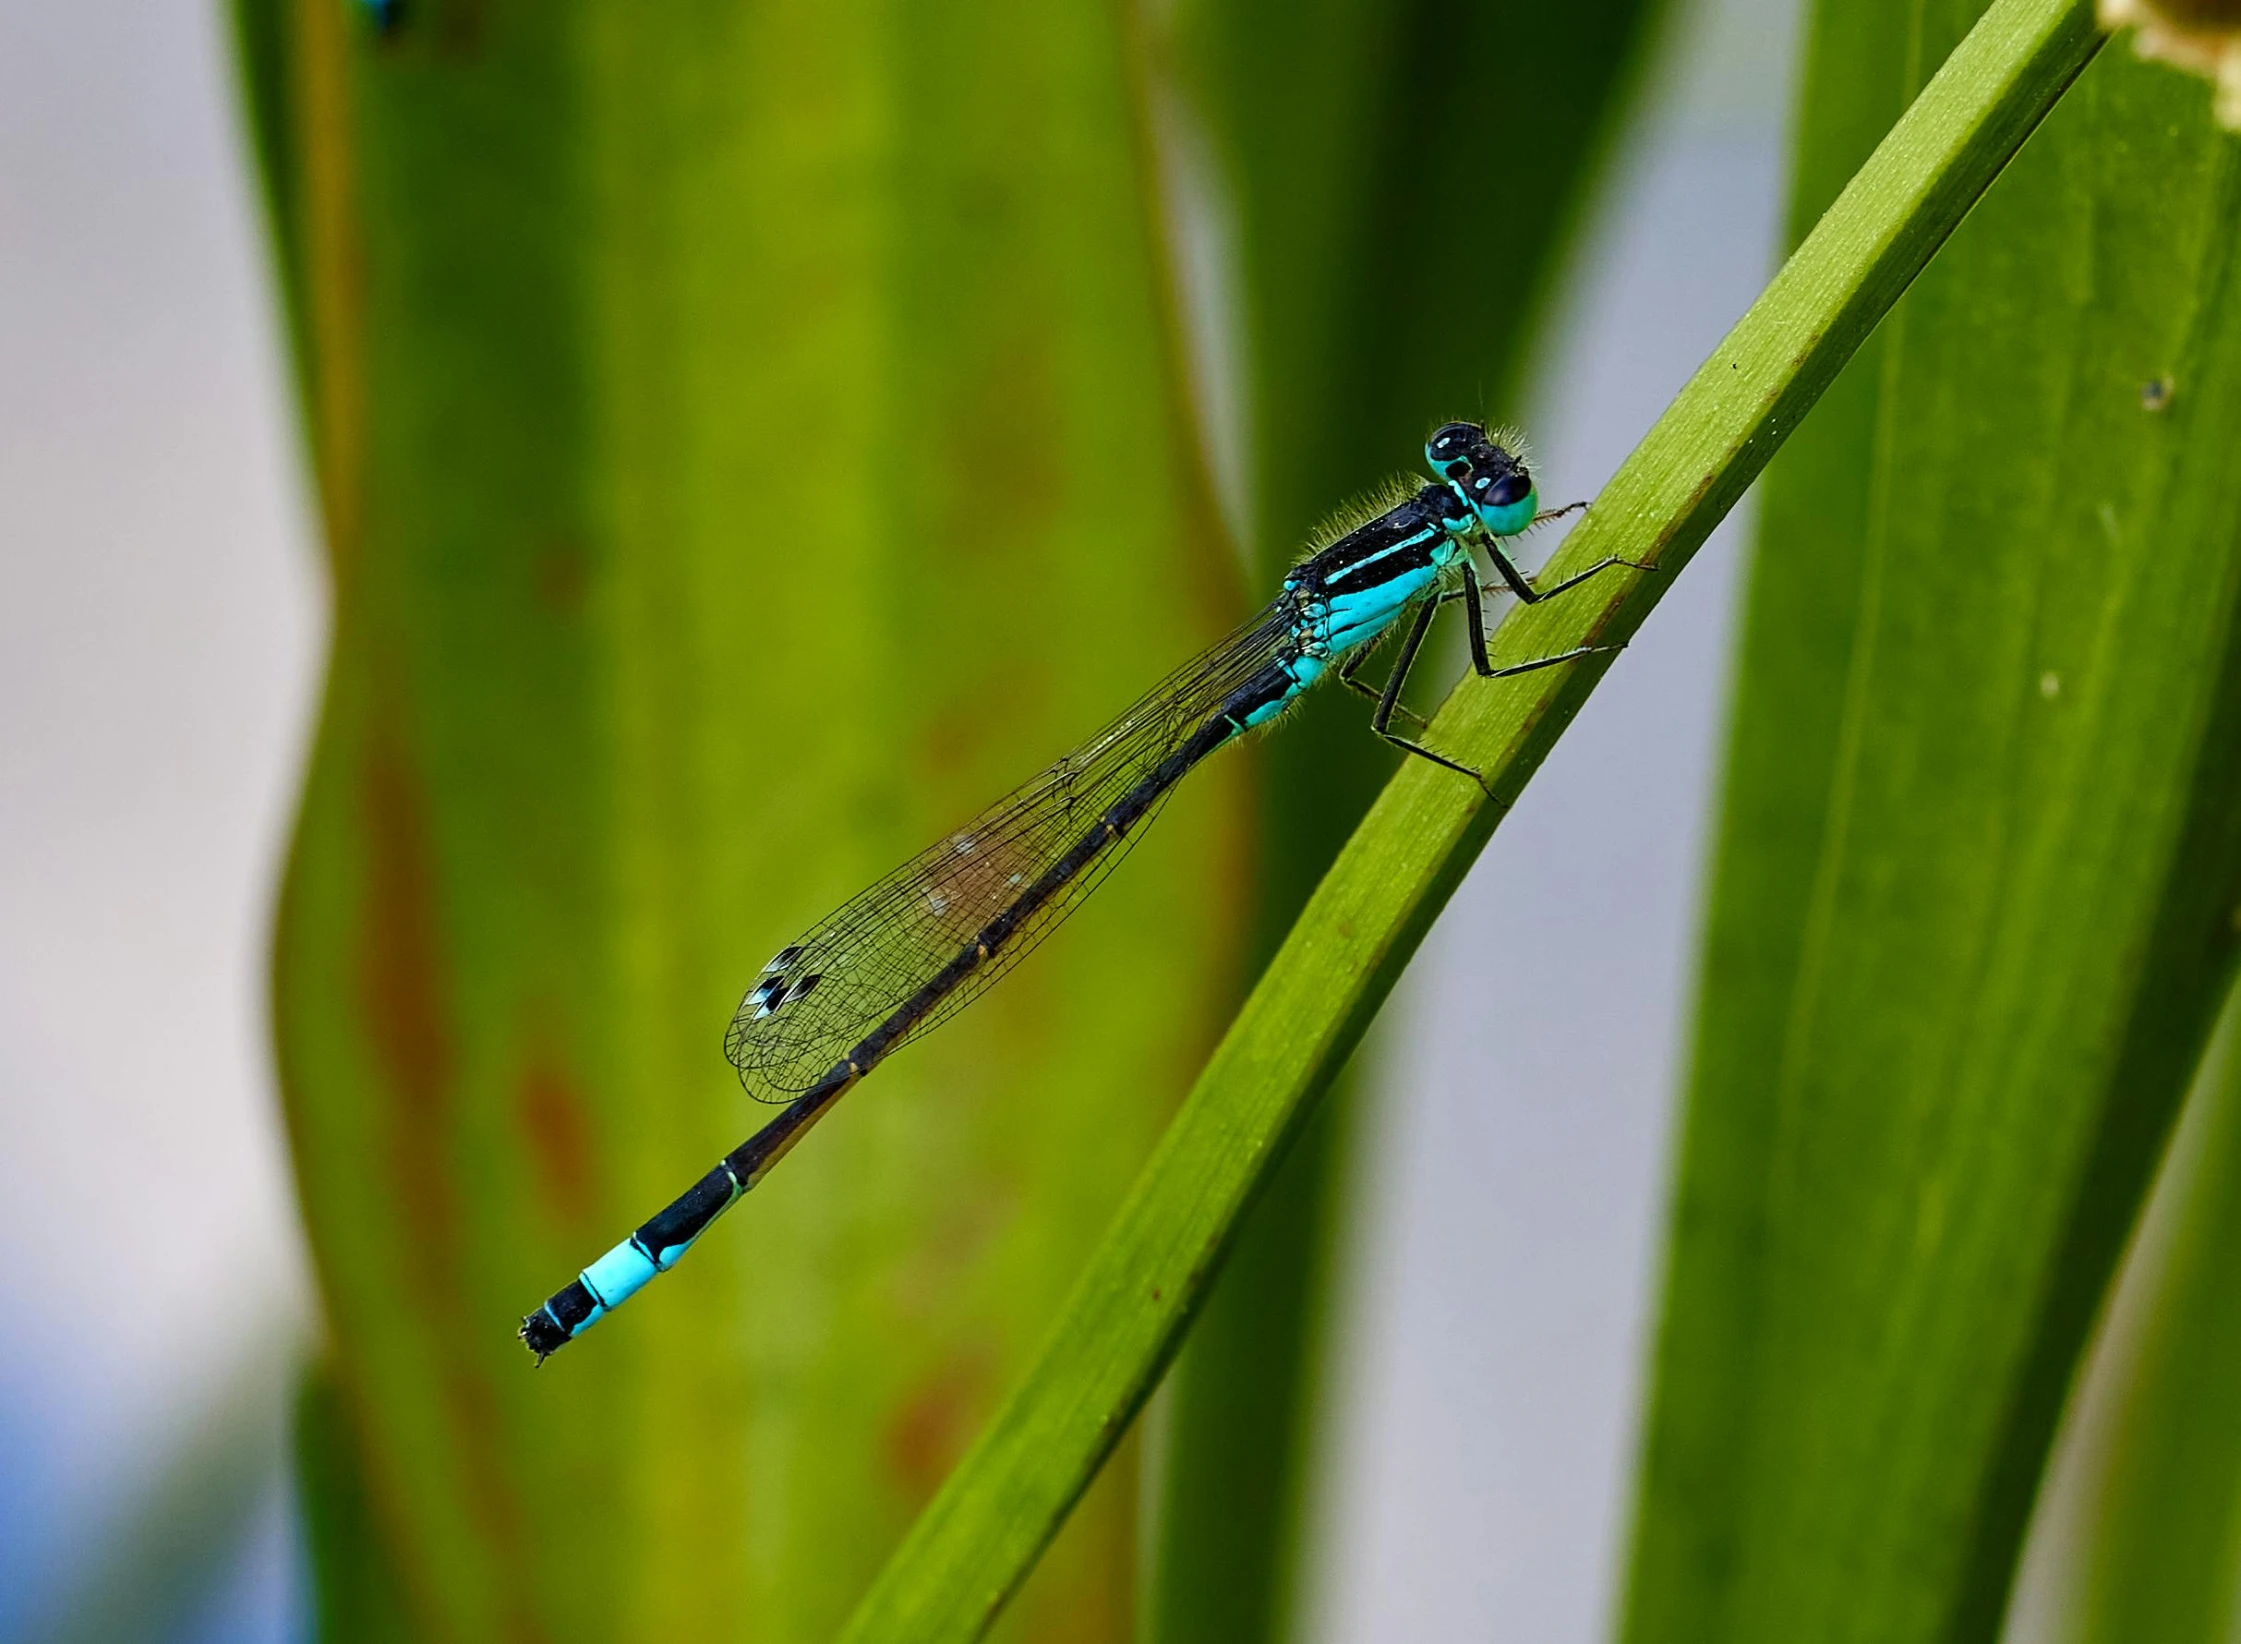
[{"x": 933, "y": 935}]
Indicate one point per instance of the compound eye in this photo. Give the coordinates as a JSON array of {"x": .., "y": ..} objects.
[
  {"x": 1450, "y": 442},
  {"x": 1510, "y": 490}
]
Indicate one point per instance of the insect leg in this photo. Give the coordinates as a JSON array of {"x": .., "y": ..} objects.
[
  {"x": 1382, "y": 720},
  {"x": 1523, "y": 586},
  {"x": 1349, "y": 676},
  {"x": 1484, "y": 664},
  {"x": 1474, "y": 614}
]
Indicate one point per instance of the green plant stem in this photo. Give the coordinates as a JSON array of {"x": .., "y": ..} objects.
[{"x": 974, "y": 1544}]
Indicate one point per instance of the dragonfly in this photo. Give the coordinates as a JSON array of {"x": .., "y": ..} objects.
[{"x": 911, "y": 951}]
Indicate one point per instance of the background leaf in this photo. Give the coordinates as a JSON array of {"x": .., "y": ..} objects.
[
  {"x": 358, "y": 1593},
  {"x": 719, "y": 413},
  {"x": 1972, "y": 909},
  {"x": 2162, "y": 1506}
]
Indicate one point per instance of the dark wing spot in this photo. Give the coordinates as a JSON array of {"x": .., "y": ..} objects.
[{"x": 803, "y": 988}]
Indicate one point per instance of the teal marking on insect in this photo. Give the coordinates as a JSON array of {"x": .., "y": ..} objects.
[{"x": 928, "y": 939}]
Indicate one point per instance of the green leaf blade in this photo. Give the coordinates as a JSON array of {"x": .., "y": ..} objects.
[
  {"x": 2158, "y": 1543},
  {"x": 1969, "y": 931}
]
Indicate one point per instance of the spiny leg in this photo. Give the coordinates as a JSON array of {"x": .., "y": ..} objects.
[
  {"x": 1573, "y": 655},
  {"x": 1350, "y": 669},
  {"x": 1527, "y": 594},
  {"x": 1382, "y": 720},
  {"x": 1523, "y": 586},
  {"x": 1474, "y": 615},
  {"x": 1470, "y": 596}
]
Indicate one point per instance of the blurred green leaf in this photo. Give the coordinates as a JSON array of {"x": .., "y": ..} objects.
[
  {"x": 358, "y": 1595},
  {"x": 1392, "y": 250},
  {"x": 970, "y": 1550},
  {"x": 746, "y": 443},
  {"x": 1973, "y": 908},
  {"x": 2161, "y": 1560}
]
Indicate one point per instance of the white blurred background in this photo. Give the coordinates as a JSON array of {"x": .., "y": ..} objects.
[
  {"x": 160, "y": 626},
  {"x": 159, "y": 634}
]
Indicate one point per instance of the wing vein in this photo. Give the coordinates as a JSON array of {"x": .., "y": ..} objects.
[{"x": 835, "y": 984}]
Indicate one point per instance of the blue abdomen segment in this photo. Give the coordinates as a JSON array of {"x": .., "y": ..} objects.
[
  {"x": 619, "y": 1275},
  {"x": 1296, "y": 673},
  {"x": 1268, "y": 710},
  {"x": 625, "y": 1270},
  {"x": 661, "y": 1243}
]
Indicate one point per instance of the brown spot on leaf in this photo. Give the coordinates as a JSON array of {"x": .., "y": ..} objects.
[
  {"x": 1004, "y": 436},
  {"x": 563, "y": 576},
  {"x": 460, "y": 28},
  {"x": 403, "y": 987},
  {"x": 550, "y": 1110},
  {"x": 931, "y": 1430},
  {"x": 401, "y": 994}
]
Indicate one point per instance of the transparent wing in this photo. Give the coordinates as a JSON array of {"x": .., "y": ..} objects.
[{"x": 822, "y": 993}]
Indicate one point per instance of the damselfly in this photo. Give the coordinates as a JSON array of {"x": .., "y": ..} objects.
[{"x": 929, "y": 938}]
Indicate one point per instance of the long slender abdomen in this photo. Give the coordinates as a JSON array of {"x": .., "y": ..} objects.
[{"x": 662, "y": 1241}]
